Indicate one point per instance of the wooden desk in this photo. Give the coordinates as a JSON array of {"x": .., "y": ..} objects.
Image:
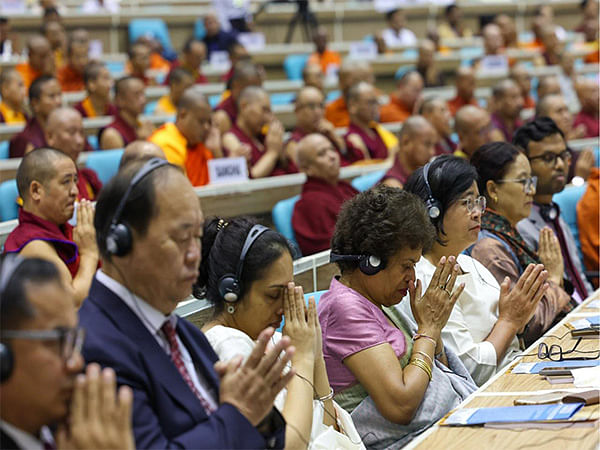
[{"x": 503, "y": 388}]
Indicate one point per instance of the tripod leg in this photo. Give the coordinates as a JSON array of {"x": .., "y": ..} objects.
[{"x": 290, "y": 30}]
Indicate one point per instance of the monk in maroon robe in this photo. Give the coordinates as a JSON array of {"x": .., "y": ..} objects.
[
  {"x": 65, "y": 133},
  {"x": 245, "y": 74},
  {"x": 417, "y": 147},
  {"x": 264, "y": 153},
  {"x": 436, "y": 111},
  {"x": 322, "y": 195},
  {"x": 363, "y": 140},
  {"x": 130, "y": 100},
  {"x": 44, "y": 96},
  {"x": 310, "y": 118},
  {"x": 47, "y": 182}
]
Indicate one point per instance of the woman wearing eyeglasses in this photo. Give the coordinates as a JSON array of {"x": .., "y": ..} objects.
[
  {"x": 486, "y": 319},
  {"x": 505, "y": 180}
]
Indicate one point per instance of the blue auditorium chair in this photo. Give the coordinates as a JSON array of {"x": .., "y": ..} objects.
[
  {"x": 282, "y": 98},
  {"x": 157, "y": 28},
  {"x": 116, "y": 68},
  {"x": 567, "y": 201},
  {"x": 150, "y": 108},
  {"x": 293, "y": 66},
  {"x": 105, "y": 163},
  {"x": 93, "y": 141},
  {"x": 282, "y": 217},
  {"x": 214, "y": 100},
  {"x": 199, "y": 30},
  {"x": 367, "y": 181},
  {"x": 316, "y": 295},
  {"x": 9, "y": 193},
  {"x": 4, "y": 145}
]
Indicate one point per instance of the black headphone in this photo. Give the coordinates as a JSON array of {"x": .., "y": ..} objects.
[
  {"x": 119, "y": 238},
  {"x": 230, "y": 285},
  {"x": 549, "y": 212},
  {"x": 434, "y": 207},
  {"x": 10, "y": 264},
  {"x": 368, "y": 264}
]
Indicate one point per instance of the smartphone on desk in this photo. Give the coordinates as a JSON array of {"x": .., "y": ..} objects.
[{"x": 556, "y": 371}]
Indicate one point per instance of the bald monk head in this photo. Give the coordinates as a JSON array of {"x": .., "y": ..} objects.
[
  {"x": 320, "y": 39},
  {"x": 309, "y": 109},
  {"x": 40, "y": 55},
  {"x": 45, "y": 96},
  {"x": 472, "y": 124},
  {"x": 363, "y": 105},
  {"x": 47, "y": 183},
  {"x": 508, "y": 29},
  {"x": 587, "y": 92},
  {"x": 409, "y": 88},
  {"x": 426, "y": 53},
  {"x": 77, "y": 52},
  {"x": 254, "y": 109},
  {"x": 193, "y": 116},
  {"x": 313, "y": 76},
  {"x": 417, "y": 142},
  {"x": 548, "y": 85},
  {"x": 12, "y": 89},
  {"x": 130, "y": 95},
  {"x": 436, "y": 111},
  {"x": 245, "y": 73},
  {"x": 520, "y": 75},
  {"x": 140, "y": 151},
  {"x": 318, "y": 158},
  {"x": 492, "y": 39},
  {"x": 64, "y": 132},
  {"x": 353, "y": 71},
  {"x": 555, "y": 107},
  {"x": 465, "y": 83},
  {"x": 508, "y": 101}
]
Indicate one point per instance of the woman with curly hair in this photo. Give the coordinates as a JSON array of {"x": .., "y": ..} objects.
[{"x": 394, "y": 376}]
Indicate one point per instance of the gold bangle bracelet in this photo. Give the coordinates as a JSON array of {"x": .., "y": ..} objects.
[
  {"x": 426, "y": 356},
  {"x": 326, "y": 397},
  {"x": 422, "y": 364}
]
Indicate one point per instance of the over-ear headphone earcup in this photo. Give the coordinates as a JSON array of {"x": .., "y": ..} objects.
[
  {"x": 433, "y": 208},
  {"x": 6, "y": 362},
  {"x": 370, "y": 265},
  {"x": 118, "y": 241},
  {"x": 229, "y": 288}
]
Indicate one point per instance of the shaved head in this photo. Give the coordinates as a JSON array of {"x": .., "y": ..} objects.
[
  {"x": 191, "y": 98},
  {"x": 60, "y": 116},
  {"x": 37, "y": 165},
  {"x": 318, "y": 158},
  {"x": 64, "y": 132},
  {"x": 353, "y": 71},
  {"x": 413, "y": 126},
  {"x": 140, "y": 151},
  {"x": 252, "y": 94},
  {"x": 465, "y": 117}
]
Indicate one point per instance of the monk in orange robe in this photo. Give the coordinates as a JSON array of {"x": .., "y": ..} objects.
[
  {"x": 403, "y": 99},
  {"x": 40, "y": 61},
  {"x": 328, "y": 60},
  {"x": 12, "y": 91},
  {"x": 179, "y": 80},
  {"x": 70, "y": 76},
  {"x": 98, "y": 84},
  {"x": 465, "y": 90}
]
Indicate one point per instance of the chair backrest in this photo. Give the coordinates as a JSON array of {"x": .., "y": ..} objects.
[
  {"x": 282, "y": 217},
  {"x": 9, "y": 193},
  {"x": 199, "y": 30},
  {"x": 567, "y": 201},
  {"x": 157, "y": 28},
  {"x": 4, "y": 146},
  {"x": 293, "y": 66},
  {"x": 105, "y": 163},
  {"x": 316, "y": 295},
  {"x": 367, "y": 181}
]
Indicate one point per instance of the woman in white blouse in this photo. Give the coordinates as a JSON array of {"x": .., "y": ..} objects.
[
  {"x": 484, "y": 326},
  {"x": 247, "y": 273}
]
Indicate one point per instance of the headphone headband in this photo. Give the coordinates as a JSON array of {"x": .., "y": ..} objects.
[
  {"x": 253, "y": 235},
  {"x": 368, "y": 264}
]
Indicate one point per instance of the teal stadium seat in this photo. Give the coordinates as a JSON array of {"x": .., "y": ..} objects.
[
  {"x": 4, "y": 145},
  {"x": 293, "y": 66},
  {"x": 282, "y": 217},
  {"x": 567, "y": 201},
  {"x": 105, "y": 163},
  {"x": 199, "y": 30},
  {"x": 116, "y": 68},
  {"x": 156, "y": 28},
  {"x": 214, "y": 100},
  {"x": 150, "y": 108},
  {"x": 93, "y": 141},
  {"x": 282, "y": 98},
  {"x": 367, "y": 181},
  {"x": 9, "y": 193}
]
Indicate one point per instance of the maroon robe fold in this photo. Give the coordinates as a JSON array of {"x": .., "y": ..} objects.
[
  {"x": 257, "y": 152},
  {"x": 316, "y": 212},
  {"x": 397, "y": 172},
  {"x": 375, "y": 145},
  {"x": 32, "y": 227},
  {"x": 445, "y": 146},
  {"x": 127, "y": 132},
  {"x": 88, "y": 184},
  {"x": 32, "y": 133},
  {"x": 228, "y": 105}
]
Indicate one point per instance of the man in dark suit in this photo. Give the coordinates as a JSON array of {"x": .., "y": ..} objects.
[
  {"x": 149, "y": 265},
  {"x": 40, "y": 364}
]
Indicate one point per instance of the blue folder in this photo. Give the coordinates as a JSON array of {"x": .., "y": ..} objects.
[{"x": 522, "y": 413}]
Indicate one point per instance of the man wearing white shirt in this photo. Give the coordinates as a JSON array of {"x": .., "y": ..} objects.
[{"x": 397, "y": 35}]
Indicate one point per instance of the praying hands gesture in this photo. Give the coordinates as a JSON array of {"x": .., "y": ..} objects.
[
  {"x": 97, "y": 418},
  {"x": 550, "y": 255},
  {"x": 252, "y": 387},
  {"x": 299, "y": 323}
]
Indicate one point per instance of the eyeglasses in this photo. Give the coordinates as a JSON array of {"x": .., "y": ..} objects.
[
  {"x": 471, "y": 203},
  {"x": 550, "y": 158},
  {"x": 70, "y": 339},
  {"x": 556, "y": 353},
  {"x": 529, "y": 184}
]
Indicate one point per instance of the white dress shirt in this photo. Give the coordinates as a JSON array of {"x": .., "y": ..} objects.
[
  {"x": 472, "y": 318},
  {"x": 25, "y": 440},
  {"x": 402, "y": 38},
  {"x": 153, "y": 320}
]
